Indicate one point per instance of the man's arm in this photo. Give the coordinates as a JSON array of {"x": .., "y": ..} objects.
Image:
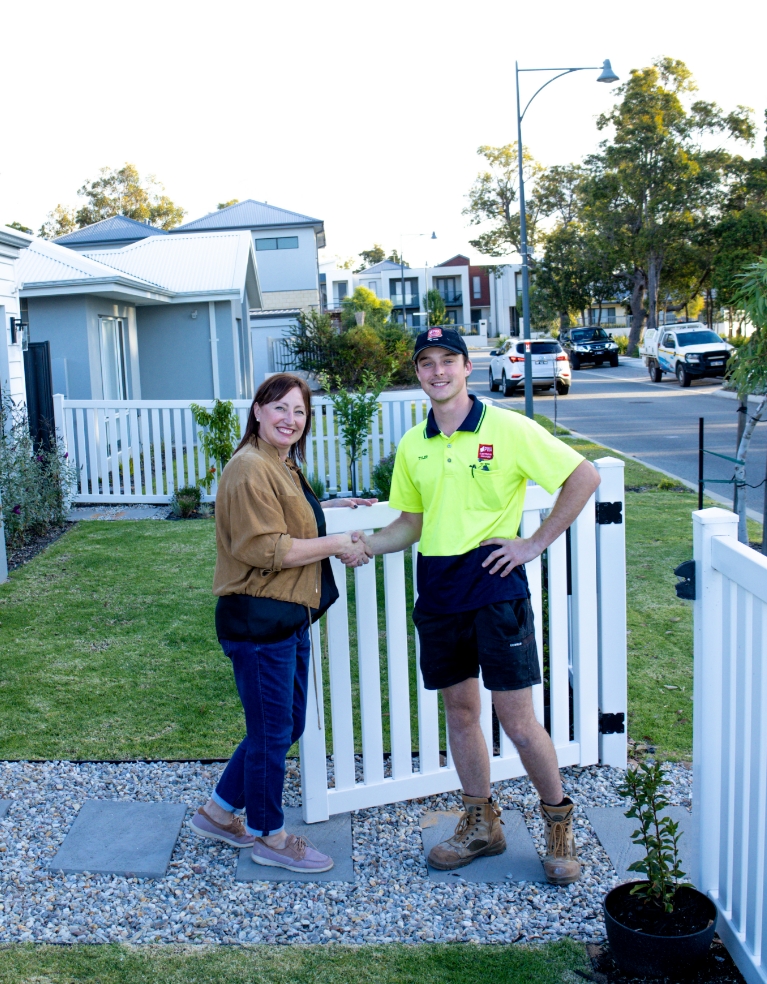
[
  {"x": 399, "y": 535},
  {"x": 573, "y": 496}
]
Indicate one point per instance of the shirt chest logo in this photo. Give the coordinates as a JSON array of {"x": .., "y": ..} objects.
[{"x": 485, "y": 452}]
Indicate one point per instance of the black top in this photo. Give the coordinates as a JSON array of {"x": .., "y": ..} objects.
[{"x": 241, "y": 617}]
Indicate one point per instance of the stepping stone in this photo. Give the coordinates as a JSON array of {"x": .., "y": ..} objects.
[
  {"x": 519, "y": 862},
  {"x": 4, "y": 804},
  {"x": 333, "y": 837},
  {"x": 614, "y": 831},
  {"x": 121, "y": 838}
]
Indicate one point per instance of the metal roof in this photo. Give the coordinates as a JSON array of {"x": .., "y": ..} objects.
[
  {"x": 249, "y": 214},
  {"x": 378, "y": 267},
  {"x": 111, "y": 230},
  {"x": 45, "y": 262}
]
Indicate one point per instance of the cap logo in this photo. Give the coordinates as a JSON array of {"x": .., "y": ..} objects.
[
  {"x": 433, "y": 333},
  {"x": 485, "y": 452}
]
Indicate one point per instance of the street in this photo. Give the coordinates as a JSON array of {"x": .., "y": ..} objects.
[{"x": 657, "y": 423}]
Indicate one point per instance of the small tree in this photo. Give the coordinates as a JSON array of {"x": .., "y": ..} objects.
[
  {"x": 355, "y": 409},
  {"x": 435, "y": 306},
  {"x": 222, "y": 432},
  {"x": 748, "y": 371}
]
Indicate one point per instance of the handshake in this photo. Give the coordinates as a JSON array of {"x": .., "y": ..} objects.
[{"x": 356, "y": 551}]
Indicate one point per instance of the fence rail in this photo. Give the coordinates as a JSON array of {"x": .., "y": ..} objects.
[
  {"x": 143, "y": 450},
  {"x": 379, "y": 691},
  {"x": 730, "y": 735}
]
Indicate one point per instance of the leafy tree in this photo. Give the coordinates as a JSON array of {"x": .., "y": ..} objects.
[
  {"x": 232, "y": 201},
  {"x": 218, "y": 440},
  {"x": 372, "y": 256},
  {"x": 493, "y": 198},
  {"x": 354, "y": 410},
  {"x": 435, "y": 306},
  {"x": 18, "y": 227},
  {"x": 652, "y": 181},
  {"x": 377, "y": 310},
  {"x": 59, "y": 222},
  {"x": 122, "y": 192}
]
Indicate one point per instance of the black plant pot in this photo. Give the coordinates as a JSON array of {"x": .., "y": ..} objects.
[{"x": 645, "y": 954}]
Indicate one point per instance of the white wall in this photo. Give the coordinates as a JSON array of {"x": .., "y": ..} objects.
[
  {"x": 287, "y": 269},
  {"x": 11, "y": 356}
]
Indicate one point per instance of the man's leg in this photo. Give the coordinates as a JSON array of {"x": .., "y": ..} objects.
[
  {"x": 517, "y": 718},
  {"x": 467, "y": 743}
]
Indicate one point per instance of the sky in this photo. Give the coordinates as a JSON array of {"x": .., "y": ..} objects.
[{"x": 365, "y": 115}]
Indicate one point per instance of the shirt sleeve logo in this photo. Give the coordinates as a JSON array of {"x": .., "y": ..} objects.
[
  {"x": 485, "y": 452},
  {"x": 433, "y": 333}
]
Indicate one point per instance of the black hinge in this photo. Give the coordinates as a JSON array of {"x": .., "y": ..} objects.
[
  {"x": 609, "y": 512},
  {"x": 686, "y": 587},
  {"x": 612, "y": 724}
]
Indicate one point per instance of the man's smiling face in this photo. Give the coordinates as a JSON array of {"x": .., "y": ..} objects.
[{"x": 442, "y": 373}]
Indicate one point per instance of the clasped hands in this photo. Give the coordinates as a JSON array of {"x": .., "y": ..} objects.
[{"x": 356, "y": 550}]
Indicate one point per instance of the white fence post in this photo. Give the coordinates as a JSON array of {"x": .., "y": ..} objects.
[
  {"x": 611, "y": 608},
  {"x": 311, "y": 747},
  {"x": 585, "y": 635},
  {"x": 707, "y": 692}
]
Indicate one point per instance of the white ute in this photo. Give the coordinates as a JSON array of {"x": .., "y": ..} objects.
[{"x": 689, "y": 350}]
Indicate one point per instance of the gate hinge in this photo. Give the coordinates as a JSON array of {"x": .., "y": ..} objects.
[
  {"x": 609, "y": 512},
  {"x": 612, "y": 724},
  {"x": 686, "y": 587}
]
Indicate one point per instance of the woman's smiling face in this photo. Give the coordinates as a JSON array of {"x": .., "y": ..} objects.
[{"x": 282, "y": 422}]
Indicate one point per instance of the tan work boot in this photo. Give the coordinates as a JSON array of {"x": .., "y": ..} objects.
[
  {"x": 561, "y": 865},
  {"x": 478, "y": 834}
]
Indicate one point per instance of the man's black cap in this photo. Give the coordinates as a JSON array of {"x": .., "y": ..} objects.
[{"x": 444, "y": 337}]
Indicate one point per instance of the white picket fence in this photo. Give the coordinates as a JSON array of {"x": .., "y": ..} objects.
[
  {"x": 730, "y": 735},
  {"x": 142, "y": 450},
  {"x": 585, "y": 636}
]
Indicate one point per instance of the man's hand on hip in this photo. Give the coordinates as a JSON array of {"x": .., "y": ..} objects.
[{"x": 510, "y": 554}]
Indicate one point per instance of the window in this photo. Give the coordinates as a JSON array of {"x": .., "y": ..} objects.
[
  {"x": 539, "y": 348},
  {"x": 340, "y": 290},
  {"x": 476, "y": 287},
  {"x": 668, "y": 340},
  {"x": 112, "y": 340},
  {"x": 610, "y": 316},
  {"x": 284, "y": 242}
]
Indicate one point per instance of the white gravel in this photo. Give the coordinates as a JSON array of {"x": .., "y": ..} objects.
[{"x": 199, "y": 901}]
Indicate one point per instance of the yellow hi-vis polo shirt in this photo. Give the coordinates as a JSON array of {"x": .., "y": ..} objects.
[{"x": 471, "y": 487}]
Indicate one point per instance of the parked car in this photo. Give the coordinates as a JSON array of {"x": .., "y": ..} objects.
[
  {"x": 589, "y": 345},
  {"x": 507, "y": 366},
  {"x": 689, "y": 351}
]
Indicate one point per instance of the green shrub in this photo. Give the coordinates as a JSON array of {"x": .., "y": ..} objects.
[
  {"x": 622, "y": 341},
  {"x": 218, "y": 440},
  {"x": 186, "y": 501},
  {"x": 738, "y": 341},
  {"x": 36, "y": 484},
  {"x": 381, "y": 477},
  {"x": 317, "y": 485}
]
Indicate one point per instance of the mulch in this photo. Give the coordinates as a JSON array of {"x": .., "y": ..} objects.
[
  {"x": 718, "y": 968},
  {"x": 20, "y": 556}
]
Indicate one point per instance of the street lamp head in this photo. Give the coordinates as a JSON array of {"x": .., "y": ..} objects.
[
  {"x": 434, "y": 235},
  {"x": 608, "y": 75}
]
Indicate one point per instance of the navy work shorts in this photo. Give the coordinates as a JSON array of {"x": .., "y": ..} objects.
[{"x": 499, "y": 639}]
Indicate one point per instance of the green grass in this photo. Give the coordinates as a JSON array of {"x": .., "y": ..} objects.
[
  {"x": 108, "y": 648},
  {"x": 392, "y": 964}
]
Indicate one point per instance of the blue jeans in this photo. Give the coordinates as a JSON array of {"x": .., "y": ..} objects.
[{"x": 271, "y": 680}]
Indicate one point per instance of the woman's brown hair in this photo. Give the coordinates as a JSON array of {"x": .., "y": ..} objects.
[{"x": 272, "y": 389}]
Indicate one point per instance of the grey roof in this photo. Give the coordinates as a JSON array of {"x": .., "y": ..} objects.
[
  {"x": 377, "y": 267},
  {"x": 249, "y": 214},
  {"x": 117, "y": 228}
]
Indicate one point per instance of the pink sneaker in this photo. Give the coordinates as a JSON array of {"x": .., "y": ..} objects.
[
  {"x": 233, "y": 833},
  {"x": 297, "y": 855}
]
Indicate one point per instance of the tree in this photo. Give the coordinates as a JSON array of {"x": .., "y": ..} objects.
[
  {"x": 493, "y": 198},
  {"x": 232, "y": 201},
  {"x": 651, "y": 183},
  {"x": 122, "y": 192},
  {"x": 59, "y": 222},
  {"x": 372, "y": 256},
  {"x": 218, "y": 440},
  {"x": 18, "y": 227},
  {"x": 377, "y": 310},
  {"x": 435, "y": 306}
]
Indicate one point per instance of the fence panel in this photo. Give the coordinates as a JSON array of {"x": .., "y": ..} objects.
[{"x": 730, "y": 735}]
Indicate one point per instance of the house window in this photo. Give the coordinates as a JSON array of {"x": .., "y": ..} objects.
[
  {"x": 112, "y": 340},
  {"x": 340, "y": 291},
  {"x": 283, "y": 242},
  {"x": 476, "y": 287}
]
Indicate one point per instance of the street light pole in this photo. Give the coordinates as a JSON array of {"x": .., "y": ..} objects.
[
  {"x": 416, "y": 235},
  {"x": 607, "y": 76}
]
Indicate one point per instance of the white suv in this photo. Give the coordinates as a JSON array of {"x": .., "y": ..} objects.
[{"x": 550, "y": 366}]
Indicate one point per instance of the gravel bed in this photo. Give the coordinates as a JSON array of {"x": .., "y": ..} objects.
[{"x": 200, "y": 902}]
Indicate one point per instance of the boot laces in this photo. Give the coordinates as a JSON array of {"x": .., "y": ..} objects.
[
  {"x": 558, "y": 838},
  {"x": 468, "y": 819}
]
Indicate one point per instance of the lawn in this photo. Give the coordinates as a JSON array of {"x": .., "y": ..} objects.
[
  {"x": 108, "y": 650},
  {"x": 424, "y": 964}
]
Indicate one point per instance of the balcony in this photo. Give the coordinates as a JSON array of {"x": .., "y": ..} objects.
[
  {"x": 451, "y": 296},
  {"x": 411, "y": 300}
]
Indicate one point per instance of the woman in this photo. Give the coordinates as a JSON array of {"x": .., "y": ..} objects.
[{"x": 272, "y": 578}]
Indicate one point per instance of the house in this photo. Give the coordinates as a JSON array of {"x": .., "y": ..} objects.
[
  {"x": 11, "y": 344},
  {"x": 475, "y": 297},
  {"x": 163, "y": 317}
]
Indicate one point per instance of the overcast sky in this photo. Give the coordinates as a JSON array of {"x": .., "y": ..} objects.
[{"x": 365, "y": 115}]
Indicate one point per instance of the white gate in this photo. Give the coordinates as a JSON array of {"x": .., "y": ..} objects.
[
  {"x": 585, "y": 640},
  {"x": 730, "y": 735},
  {"x": 143, "y": 450}
]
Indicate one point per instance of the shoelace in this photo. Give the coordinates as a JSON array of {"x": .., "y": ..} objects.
[{"x": 558, "y": 830}]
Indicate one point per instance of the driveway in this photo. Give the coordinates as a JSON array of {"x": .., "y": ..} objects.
[{"x": 657, "y": 423}]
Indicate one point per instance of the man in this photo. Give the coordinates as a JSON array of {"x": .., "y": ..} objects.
[{"x": 459, "y": 481}]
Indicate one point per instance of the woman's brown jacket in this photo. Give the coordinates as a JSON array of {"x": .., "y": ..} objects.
[{"x": 260, "y": 508}]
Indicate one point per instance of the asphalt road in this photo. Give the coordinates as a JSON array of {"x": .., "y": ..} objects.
[{"x": 657, "y": 423}]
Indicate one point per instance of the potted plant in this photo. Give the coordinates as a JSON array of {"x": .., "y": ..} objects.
[{"x": 660, "y": 926}]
